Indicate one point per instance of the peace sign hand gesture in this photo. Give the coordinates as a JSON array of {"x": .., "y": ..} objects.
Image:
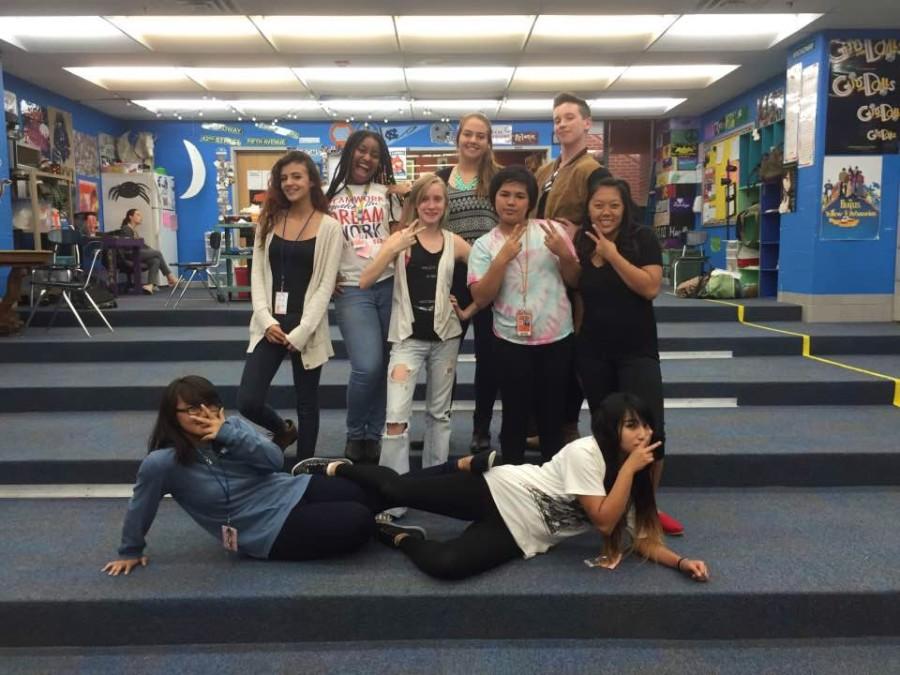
[
  {"x": 401, "y": 240},
  {"x": 554, "y": 240},
  {"x": 603, "y": 247},
  {"x": 513, "y": 245}
]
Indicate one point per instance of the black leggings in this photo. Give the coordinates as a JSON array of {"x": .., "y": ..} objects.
[
  {"x": 259, "y": 370},
  {"x": 603, "y": 374},
  {"x": 485, "y": 544},
  {"x": 334, "y": 517}
]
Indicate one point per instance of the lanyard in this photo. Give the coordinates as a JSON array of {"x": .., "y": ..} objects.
[
  {"x": 283, "y": 239},
  {"x": 226, "y": 487},
  {"x": 524, "y": 268},
  {"x": 359, "y": 202}
]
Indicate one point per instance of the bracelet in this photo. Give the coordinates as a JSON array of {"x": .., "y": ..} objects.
[{"x": 678, "y": 564}]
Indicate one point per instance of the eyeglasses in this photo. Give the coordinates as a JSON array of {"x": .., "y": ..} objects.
[{"x": 197, "y": 410}]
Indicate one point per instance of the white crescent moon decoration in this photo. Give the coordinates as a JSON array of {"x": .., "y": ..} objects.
[{"x": 198, "y": 171}]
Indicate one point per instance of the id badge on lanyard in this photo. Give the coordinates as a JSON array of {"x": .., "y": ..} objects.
[{"x": 281, "y": 302}]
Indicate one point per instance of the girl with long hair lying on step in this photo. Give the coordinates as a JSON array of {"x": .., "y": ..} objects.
[
  {"x": 228, "y": 477},
  {"x": 601, "y": 481}
]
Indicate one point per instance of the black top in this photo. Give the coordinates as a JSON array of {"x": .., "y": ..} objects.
[
  {"x": 618, "y": 321},
  {"x": 293, "y": 274},
  {"x": 421, "y": 279}
]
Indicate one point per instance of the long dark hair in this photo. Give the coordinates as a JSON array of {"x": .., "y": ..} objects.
[
  {"x": 627, "y": 234},
  {"x": 606, "y": 425},
  {"x": 127, "y": 219},
  {"x": 384, "y": 174},
  {"x": 276, "y": 203},
  {"x": 193, "y": 390}
]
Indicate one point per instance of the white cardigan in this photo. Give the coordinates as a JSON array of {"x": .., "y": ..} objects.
[
  {"x": 446, "y": 323},
  {"x": 311, "y": 337}
]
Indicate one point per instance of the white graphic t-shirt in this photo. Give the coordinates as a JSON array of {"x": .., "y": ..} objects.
[
  {"x": 539, "y": 504},
  {"x": 364, "y": 214}
]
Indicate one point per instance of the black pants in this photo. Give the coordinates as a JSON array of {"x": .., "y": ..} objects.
[
  {"x": 486, "y": 384},
  {"x": 259, "y": 369},
  {"x": 532, "y": 377},
  {"x": 334, "y": 517},
  {"x": 485, "y": 544},
  {"x": 602, "y": 374}
]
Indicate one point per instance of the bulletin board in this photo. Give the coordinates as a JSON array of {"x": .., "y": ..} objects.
[{"x": 717, "y": 155}]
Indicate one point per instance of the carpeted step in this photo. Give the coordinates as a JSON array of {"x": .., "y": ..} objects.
[
  {"x": 751, "y": 446},
  {"x": 463, "y": 657},
  {"x": 785, "y": 380},
  {"x": 785, "y": 564}
]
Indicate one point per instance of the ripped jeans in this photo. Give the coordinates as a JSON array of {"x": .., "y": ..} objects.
[{"x": 408, "y": 358}]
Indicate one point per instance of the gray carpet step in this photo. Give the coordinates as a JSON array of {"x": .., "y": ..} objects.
[
  {"x": 785, "y": 380},
  {"x": 138, "y": 310},
  {"x": 463, "y": 657},
  {"x": 191, "y": 343},
  {"x": 785, "y": 564},
  {"x": 751, "y": 446}
]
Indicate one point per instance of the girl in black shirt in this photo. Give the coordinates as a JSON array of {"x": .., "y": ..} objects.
[{"x": 616, "y": 349}]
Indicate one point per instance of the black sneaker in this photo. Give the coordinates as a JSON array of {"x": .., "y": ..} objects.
[
  {"x": 483, "y": 461},
  {"x": 372, "y": 450},
  {"x": 387, "y": 532},
  {"x": 316, "y": 465}
]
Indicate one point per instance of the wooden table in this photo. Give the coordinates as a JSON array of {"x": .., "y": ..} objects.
[
  {"x": 115, "y": 244},
  {"x": 21, "y": 263}
]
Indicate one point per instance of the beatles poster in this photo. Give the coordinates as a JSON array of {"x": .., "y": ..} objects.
[
  {"x": 863, "y": 98},
  {"x": 851, "y": 197}
]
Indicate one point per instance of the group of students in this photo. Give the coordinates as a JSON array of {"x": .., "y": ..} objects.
[{"x": 560, "y": 304}]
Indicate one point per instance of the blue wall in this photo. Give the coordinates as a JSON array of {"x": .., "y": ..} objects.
[
  {"x": 748, "y": 99},
  {"x": 844, "y": 267},
  {"x": 198, "y": 214},
  {"x": 6, "y": 238}
]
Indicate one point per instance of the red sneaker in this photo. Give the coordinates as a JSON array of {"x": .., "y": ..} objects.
[{"x": 670, "y": 526}]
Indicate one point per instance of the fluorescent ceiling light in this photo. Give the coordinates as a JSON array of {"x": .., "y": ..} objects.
[
  {"x": 708, "y": 73},
  {"x": 274, "y": 105},
  {"x": 63, "y": 28},
  {"x": 530, "y": 105},
  {"x": 350, "y": 75},
  {"x": 323, "y": 28},
  {"x": 458, "y": 74},
  {"x": 445, "y": 28},
  {"x": 239, "y": 75},
  {"x": 636, "y": 104},
  {"x": 567, "y": 73},
  {"x": 183, "y": 105},
  {"x": 721, "y": 27},
  {"x": 456, "y": 104},
  {"x": 99, "y": 75},
  {"x": 569, "y": 26},
  {"x": 365, "y": 105},
  {"x": 143, "y": 28}
]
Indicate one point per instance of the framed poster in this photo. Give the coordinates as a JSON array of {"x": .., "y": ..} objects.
[
  {"x": 863, "y": 99},
  {"x": 851, "y": 197},
  {"x": 809, "y": 103},
  {"x": 792, "y": 112},
  {"x": 62, "y": 137}
]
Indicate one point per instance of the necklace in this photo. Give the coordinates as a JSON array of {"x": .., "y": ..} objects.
[{"x": 460, "y": 184}]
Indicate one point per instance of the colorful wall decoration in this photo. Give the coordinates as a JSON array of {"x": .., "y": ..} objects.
[
  {"x": 863, "y": 99},
  {"x": 851, "y": 197},
  {"x": 87, "y": 155}
]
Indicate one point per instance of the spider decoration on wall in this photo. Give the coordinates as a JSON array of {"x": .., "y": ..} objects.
[{"x": 129, "y": 190}]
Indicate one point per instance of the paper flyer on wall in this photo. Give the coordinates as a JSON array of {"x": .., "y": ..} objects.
[
  {"x": 809, "y": 98},
  {"x": 851, "y": 197},
  {"x": 792, "y": 112}
]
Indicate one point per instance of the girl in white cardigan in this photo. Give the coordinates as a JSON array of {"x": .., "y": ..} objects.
[
  {"x": 425, "y": 321},
  {"x": 295, "y": 263}
]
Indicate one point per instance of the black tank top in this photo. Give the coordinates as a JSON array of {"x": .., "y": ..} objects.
[
  {"x": 295, "y": 272},
  {"x": 421, "y": 279}
]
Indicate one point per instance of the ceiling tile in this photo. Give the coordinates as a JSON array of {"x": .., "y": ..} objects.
[
  {"x": 541, "y": 79},
  {"x": 329, "y": 34},
  {"x": 596, "y": 33},
  {"x": 463, "y": 34},
  {"x": 353, "y": 81},
  {"x": 132, "y": 79},
  {"x": 65, "y": 34},
  {"x": 261, "y": 80},
  {"x": 194, "y": 34},
  {"x": 737, "y": 32}
]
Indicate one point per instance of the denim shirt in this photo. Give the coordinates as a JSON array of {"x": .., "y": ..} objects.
[{"x": 260, "y": 496}]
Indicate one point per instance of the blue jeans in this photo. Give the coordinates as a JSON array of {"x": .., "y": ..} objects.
[{"x": 364, "y": 315}]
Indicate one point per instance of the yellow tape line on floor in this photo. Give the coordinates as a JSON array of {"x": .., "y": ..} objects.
[{"x": 807, "y": 343}]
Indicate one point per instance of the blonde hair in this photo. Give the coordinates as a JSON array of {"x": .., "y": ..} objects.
[
  {"x": 487, "y": 167},
  {"x": 417, "y": 194}
]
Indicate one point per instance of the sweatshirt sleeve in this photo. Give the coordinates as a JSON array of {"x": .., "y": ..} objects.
[
  {"x": 258, "y": 296},
  {"x": 148, "y": 491},
  {"x": 243, "y": 443}
]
